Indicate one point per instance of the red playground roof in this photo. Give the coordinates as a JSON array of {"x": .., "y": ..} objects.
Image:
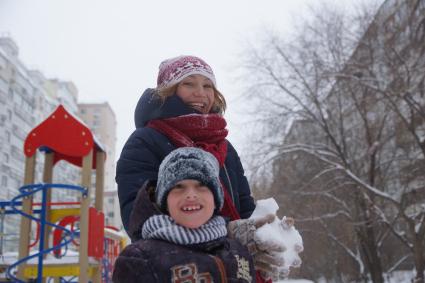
[{"x": 68, "y": 137}]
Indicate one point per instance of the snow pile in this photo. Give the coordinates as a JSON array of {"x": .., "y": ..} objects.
[
  {"x": 294, "y": 281},
  {"x": 279, "y": 231}
]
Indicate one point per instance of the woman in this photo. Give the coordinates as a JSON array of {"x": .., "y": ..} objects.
[{"x": 186, "y": 85}]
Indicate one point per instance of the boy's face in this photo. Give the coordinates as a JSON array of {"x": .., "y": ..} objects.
[{"x": 190, "y": 204}]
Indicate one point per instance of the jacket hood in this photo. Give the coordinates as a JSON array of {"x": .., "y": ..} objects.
[
  {"x": 143, "y": 207},
  {"x": 151, "y": 107}
]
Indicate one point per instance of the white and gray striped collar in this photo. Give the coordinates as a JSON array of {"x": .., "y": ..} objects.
[{"x": 163, "y": 227}]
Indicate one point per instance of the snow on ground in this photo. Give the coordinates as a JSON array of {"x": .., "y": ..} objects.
[
  {"x": 401, "y": 276},
  {"x": 70, "y": 257},
  {"x": 294, "y": 281}
]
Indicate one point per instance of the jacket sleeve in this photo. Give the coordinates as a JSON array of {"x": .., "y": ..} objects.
[
  {"x": 240, "y": 186},
  {"x": 138, "y": 163},
  {"x": 132, "y": 267}
]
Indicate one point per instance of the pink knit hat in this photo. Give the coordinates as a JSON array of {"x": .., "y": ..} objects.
[{"x": 174, "y": 70}]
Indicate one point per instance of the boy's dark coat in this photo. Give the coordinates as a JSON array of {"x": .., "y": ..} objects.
[
  {"x": 221, "y": 260},
  {"x": 146, "y": 148}
]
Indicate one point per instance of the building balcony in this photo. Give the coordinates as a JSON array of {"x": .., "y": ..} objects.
[
  {"x": 5, "y": 168},
  {"x": 2, "y": 97},
  {"x": 18, "y": 132},
  {"x": 4, "y": 86},
  {"x": 27, "y": 117}
]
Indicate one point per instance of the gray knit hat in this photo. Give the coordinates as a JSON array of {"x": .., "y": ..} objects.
[{"x": 188, "y": 163}]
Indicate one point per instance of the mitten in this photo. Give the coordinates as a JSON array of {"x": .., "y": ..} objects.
[
  {"x": 268, "y": 265},
  {"x": 265, "y": 253}
]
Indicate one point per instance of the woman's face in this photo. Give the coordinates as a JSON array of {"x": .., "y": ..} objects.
[
  {"x": 197, "y": 92},
  {"x": 190, "y": 203}
]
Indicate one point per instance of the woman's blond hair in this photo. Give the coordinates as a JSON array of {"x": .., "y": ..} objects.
[{"x": 219, "y": 105}]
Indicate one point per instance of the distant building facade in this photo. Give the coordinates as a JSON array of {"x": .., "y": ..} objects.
[
  {"x": 392, "y": 44},
  {"x": 100, "y": 118},
  {"x": 26, "y": 99}
]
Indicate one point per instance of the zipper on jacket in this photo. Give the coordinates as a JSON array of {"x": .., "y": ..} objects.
[
  {"x": 221, "y": 269},
  {"x": 230, "y": 184}
]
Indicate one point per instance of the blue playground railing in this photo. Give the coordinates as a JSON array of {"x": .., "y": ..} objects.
[{"x": 26, "y": 191}]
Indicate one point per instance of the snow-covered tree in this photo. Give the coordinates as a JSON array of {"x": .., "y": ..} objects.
[{"x": 344, "y": 138}]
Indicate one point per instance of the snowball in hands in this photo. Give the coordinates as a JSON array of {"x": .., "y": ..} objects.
[{"x": 279, "y": 231}]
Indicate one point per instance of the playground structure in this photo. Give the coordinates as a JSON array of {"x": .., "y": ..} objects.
[{"x": 63, "y": 137}]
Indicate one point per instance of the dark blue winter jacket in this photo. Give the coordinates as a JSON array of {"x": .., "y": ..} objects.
[
  {"x": 153, "y": 260},
  {"x": 146, "y": 148}
]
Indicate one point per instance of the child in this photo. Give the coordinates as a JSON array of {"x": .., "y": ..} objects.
[{"x": 177, "y": 233}]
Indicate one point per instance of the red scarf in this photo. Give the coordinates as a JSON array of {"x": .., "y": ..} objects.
[
  {"x": 204, "y": 131},
  {"x": 208, "y": 132}
]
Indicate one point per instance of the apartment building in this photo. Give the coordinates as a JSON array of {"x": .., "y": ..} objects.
[
  {"x": 27, "y": 97},
  {"x": 100, "y": 118}
]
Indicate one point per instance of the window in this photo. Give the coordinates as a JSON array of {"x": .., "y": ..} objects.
[
  {"x": 6, "y": 158},
  {"x": 18, "y": 100},
  {"x": 4, "y": 86},
  {"x": 10, "y": 94},
  {"x": 4, "y": 181}
]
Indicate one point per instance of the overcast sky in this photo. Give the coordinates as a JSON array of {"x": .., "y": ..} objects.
[{"x": 111, "y": 49}]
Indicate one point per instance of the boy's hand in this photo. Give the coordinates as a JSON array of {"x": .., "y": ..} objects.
[{"x": 264, "y": 253}]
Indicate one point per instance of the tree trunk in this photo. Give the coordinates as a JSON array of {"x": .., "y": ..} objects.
[
  {"x": 368, "y": 242},
  {"x": 419, "y": 260},
  {"x": 370, "y": 254}
]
